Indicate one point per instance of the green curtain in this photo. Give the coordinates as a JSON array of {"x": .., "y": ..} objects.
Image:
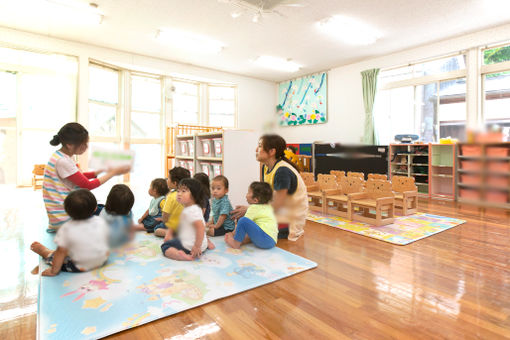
[{"x": 369, "y": 84}]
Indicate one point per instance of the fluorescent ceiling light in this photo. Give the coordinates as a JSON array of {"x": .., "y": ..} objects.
[
  {"x": 77, "y": 10},
  {"x": 278, "y": 64},
  {"x": 350, "y": 31},
  {"x": 189, "y": 41}
]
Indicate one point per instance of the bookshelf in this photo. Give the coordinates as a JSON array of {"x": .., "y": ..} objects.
[{"x": 411, "y": 160}]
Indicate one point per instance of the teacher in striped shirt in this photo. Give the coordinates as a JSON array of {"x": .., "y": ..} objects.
[{"x": 62, "y": 175}]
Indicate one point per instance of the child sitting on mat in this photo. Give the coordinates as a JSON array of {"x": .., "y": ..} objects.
[
  {"x": 191, "y": 240},
  {"x": 82, "y": 242},
  {"x": 259, "y": 223},
  {"x": 222, "y": 222},
  {"x": 172, "y": 209},
  {"x": 117, "y": 214},
  {"x": 157, "y": 190}
]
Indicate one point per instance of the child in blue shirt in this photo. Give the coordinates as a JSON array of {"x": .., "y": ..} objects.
[
  {"x": 118, "y": 216},
  {"x": 222, "y": 223},
  {"x": 152, "y": 216}
]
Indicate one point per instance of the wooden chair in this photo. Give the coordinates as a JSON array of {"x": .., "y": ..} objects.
[
  {"x": 378, "y": 176},
  {"x": 309, "y": 180},
  {"x": 406, "y": 194},
  {"x": 336, "y": 203},
  {"x": 316, "y": 200},
  {"x": 357, "y": 174},
  {"x": 307, "y": 162},
  {"x": 38, "y": 174},
  {"x": 338, "y": 174},
  {"x": 378, "y": 196}
]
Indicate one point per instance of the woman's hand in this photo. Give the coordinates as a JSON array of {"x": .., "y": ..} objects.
[
  {"x": 239, "y": 211},
  {"x": 121, "y": 170},
  {"x": 48, "y": 272}
]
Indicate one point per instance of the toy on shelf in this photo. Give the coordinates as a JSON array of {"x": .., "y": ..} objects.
[
  {"x": 406, "y": 194},
  {"x": 316, "y": 196},
  {"x": 378, "y": 196},
  {"x": 336, "y": 203}
]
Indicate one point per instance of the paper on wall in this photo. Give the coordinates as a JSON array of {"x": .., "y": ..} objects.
[{"x": 103, "y": 158}]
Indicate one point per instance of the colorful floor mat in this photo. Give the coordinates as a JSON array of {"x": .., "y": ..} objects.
[
  {"x": 405, "y": 230},
  {"x": 139, "y": 285}
]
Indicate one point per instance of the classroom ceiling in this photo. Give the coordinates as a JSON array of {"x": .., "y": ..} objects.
[{"x": 286, "y": 28}]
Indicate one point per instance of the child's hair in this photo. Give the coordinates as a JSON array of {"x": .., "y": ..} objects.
[
  {"x": 120, "y": 200},
  {"x": 204, "y": 180},
  {"x": 195, "y": 188},
  {"x": 178, "y": 173},
  {"x": 221, "y": 178},
  {"x": 261, "y": 191},
  {"x": 80, "y": 204},
  {"x": 160, "y": 186},
  {"x": 71, "y": 133}
]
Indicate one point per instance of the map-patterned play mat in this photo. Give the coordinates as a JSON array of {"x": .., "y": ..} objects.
[
  {"x": 139, "y": 285},
  {"x": 405, "y": 230}
]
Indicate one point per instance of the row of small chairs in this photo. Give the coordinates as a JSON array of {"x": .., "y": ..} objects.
[{"x": 350, "y": 196}]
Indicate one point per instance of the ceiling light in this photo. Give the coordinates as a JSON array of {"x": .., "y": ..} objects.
[
  {"x": 349, "y": 30},
  {"x": 236, "y": 15},
  {"x": 278, "y": 64},
  {"x": 78, "y": 10},
  {"x": 256, "y": 17},
  {"x": 189, "y": 41}
]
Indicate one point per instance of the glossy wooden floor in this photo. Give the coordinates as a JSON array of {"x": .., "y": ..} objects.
[{"x": 453, "y": 285}]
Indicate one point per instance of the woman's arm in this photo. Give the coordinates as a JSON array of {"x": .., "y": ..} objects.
[
  {"x": 58, "y": 260},
  {"x": 239, "y": 211},
  {"x": 82, "y": 181}
]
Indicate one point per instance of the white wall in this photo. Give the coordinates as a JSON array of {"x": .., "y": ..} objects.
[
  {"x": 345, "y": 98},
  {"x": 256, "y": 97}
]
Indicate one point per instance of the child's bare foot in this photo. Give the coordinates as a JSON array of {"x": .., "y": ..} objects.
[
  {"x": 210, "y": 232},
  {"x": 139, "y": 227},
  {"x": 229, "y": 239},
  {"x": 210, "y": 245},
  {"x": 178, "y": 255},
  {"x": 35, "y": 271},
  {"x": 38, "y": 248}
]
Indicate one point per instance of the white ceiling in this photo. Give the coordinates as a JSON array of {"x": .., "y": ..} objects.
[{"x": 131, "y": 25}]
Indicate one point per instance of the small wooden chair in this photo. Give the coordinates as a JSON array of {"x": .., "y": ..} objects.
[
  {"x": 378, "y": 176},
  {"x": 356, "y": 174},
  {"x": 336, "y": 203},
  {"x": 338, "y": 174},
  {"x": 309, "y": 180},
  {"x": 316, "y": 200},
  {"x": 406, "y": 194},
  {"x": 38, "y": 174},
  {"x": 378, "y": 196}
]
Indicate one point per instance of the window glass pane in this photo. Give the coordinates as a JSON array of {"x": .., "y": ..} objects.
[
  {"x": 102, "y": 120},
  {"x": 221, "y": 113},
  {"x": 103, "y": 85},
  {"x": 35, "y": 149},
  {"x": 148, "y": 166},
  {"x": 396, "y": 74},
  {"x": 8, "y": 155},
  {"x": 145, "y": 125},
  {"x": 221, "y": 120},
  {"x": 426, "y": 112},
  {"x": 185, "y": 103},
  {"x": 497, "y": 99},
  {"x": 221, "y": 92},
  {"x": 496, "y": 55},
  {"x": 394, "y": 113},
  {"x": 440, "y": 65},
  {"x": 8, "y": 97},
  {"x": 145, "y": 94},
  {"x": 452, "y": 109},
  {"x": 47, "y": 100}
]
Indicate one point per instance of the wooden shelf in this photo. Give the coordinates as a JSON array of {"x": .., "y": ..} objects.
[
  {"x": 184, "y": 157},
  {"x": 442, "y": 166},
  {"x": 442, "y": 175},
  {"x": 418, "y": 183},
  {"x": 470, "y": 157},
  {"x": 213, "y": 159},
  {"x": 184, "y": 137},
  {"x": 416, "y": 174},
  {"x": 419, "y": 164}
]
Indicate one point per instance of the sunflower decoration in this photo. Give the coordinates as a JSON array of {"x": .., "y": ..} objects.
[{"x": 315, "y": 117}]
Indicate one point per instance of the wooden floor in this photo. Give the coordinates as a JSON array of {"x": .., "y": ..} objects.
[{"x": 453, "y": 285}]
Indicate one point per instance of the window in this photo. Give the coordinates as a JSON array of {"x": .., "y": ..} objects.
[
  {"x": 146, "y": 112},
  {"x": 496, "y": 87},
  {"x": 103, "y": 102},
  {"x": 426, "y": 99},
  {"x": 222, "y": 105},
  {"x": 186, "y": 102}
]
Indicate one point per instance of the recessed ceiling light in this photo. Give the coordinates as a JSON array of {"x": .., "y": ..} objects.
[
  {"x": 189, "y": 41},
  {"x": 349, "y": 30},
  {"x": 278, "y": 64}
]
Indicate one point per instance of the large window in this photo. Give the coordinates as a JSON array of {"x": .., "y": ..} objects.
[
  {"x": 222, "y": 105},
  {"x": 104, "y": 89},
  {"x": 496, "y": 87},
  {"x": 426, "y": 99}
]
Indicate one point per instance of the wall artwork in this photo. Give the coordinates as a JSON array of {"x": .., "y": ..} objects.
[{"x": 303, "y": 100}]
